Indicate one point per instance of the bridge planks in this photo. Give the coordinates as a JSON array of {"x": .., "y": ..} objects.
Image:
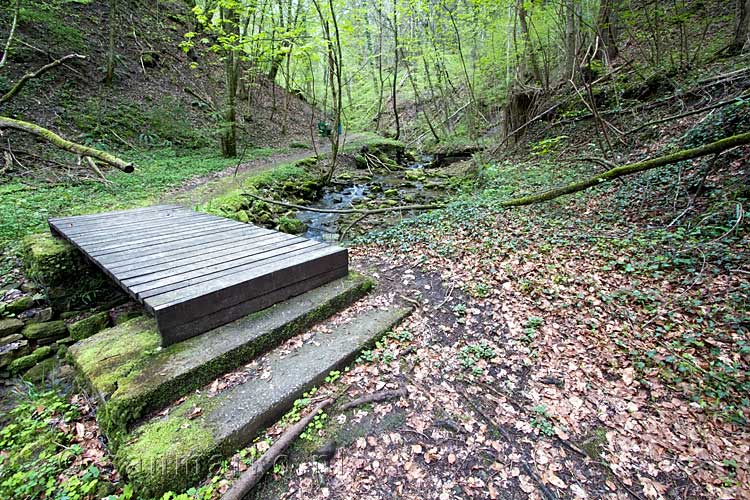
[{"x": 195, "y": 271}]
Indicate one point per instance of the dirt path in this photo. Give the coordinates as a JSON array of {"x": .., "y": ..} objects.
[{"x": 205, "y": 188}]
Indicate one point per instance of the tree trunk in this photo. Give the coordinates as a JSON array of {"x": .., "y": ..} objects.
[
  {"x": 570, "y": 39},
  {"x": 742, "y": 28},
  {"x": 529, "y": 46},
  {"x": 395, "y": 71},
  {"x": 110, "y": 75},
  {"x": 606, "y": 27},
  {"x": 231, "y": 71}
]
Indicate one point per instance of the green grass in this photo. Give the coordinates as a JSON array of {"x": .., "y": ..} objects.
[{"x": 25, "y": 206}]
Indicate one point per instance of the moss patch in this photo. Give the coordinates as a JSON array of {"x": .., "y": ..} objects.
[
  {"x": 132, "y": 376},
  {"x": 68, "y": 280},
  {"x": 89, "y": 326},
  {"x": 170, "y": 453},
  {"x": 46, "y": 330}
]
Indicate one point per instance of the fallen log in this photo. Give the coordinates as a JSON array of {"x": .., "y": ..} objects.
[
  {"x": 251, "y": 476},
  {"x": 60, "y": 142},
  {"x": 631, "y": 168}
]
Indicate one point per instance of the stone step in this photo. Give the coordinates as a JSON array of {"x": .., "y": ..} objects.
[
  {"x": 174, "y": 451},
  {"x": 131, "y": 375}
]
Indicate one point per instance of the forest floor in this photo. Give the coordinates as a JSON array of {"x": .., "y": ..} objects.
[{"x": 564, "y": 350}]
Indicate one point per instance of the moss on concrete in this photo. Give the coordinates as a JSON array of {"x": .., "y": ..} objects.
[
  {"x": 132, "y": 376},
  {"x": 169, "y": 452}
]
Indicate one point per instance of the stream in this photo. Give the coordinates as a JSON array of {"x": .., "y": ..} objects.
[{"x": 362, "y": 190}]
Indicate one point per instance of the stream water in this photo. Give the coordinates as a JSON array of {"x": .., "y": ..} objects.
[{"x": 344, "y": 195}]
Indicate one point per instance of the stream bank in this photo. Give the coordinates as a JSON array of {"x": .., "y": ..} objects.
[{"x": 372, "y": 175}]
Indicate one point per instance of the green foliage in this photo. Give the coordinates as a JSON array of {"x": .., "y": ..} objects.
[
  {"x": 547, "y": 146},
  {"x": 57, "y": 19},
  {"x": 163, "y": 123},
  {"x": 542, "y": 422},
  {"x": 37, "y": 449},
  {"x": 25, "y": 206},
  {"x": 472, "y": 354}
]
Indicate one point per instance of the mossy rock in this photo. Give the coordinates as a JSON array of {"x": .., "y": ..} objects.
[
  {"x": 50, "y": 329},
  {"x": 26, "y": 362},
  {"x": 305, "y": 189},
  {"x": 49, "y": 260},
  {"x": 126, "y": 316},
  {"x": 242, "y": 216},
  {"x": 19, "y": 305},
  {"x": 360, "y": 161},
  {"x": 13, "y": 350},
  {"x": 291, "y": 225},
  {"x": 308, "y": 162},
  {"x": 89, "y": 326},
  {"x": 40, "y": 370},
  {"x": 67, "y": 279},
  {"x": 391, "y": 193},
  {"x": 9, "y": 326}
]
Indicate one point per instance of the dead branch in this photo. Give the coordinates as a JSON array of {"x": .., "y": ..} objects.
[
  {"x": 13, "y": 25},
  {"x": 403, "y": 208},
  {"x": 250, "y": 477},
  {"x": 632, "y": 168},
  {"x": 376, "y": 397},
  {"x": 688, "y": 113},
  {"x": 98, "y": 171},
  {"x": 72, "y": 147},
  {"x": 34, "y": 74}
]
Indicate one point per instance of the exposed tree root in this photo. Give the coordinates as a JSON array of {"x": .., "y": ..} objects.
[
  {"x": 250, "y": 477},
  {"x": 375, "y": 397}
]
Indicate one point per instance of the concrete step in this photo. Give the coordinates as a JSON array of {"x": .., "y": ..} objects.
[
  {"x": 131, "y": 375},
  {"x": 174, "y": 451}
]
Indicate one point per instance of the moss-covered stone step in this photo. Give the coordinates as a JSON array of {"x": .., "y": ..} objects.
[
  {"x": 131, "y": 375},
  {"x": 174, "y": 451}
]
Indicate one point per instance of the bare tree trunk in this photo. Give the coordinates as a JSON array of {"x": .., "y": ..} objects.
[
  {"x": 606, "y": 27},
  {"x": 529, "y": 47},
  {"x": 395, "y": 70},
  {"x": 742, "y": 28},
  {"x": 570, "y": 39},
  {"x": 231, "y": 73}
]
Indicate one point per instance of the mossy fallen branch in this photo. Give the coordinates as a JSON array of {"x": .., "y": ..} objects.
[
  {"x": 632, "y": 168},
  {"x": 60, "y": 142}
]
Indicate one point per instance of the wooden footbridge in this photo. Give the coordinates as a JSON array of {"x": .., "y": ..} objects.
[{"x": 194, "y": 271}]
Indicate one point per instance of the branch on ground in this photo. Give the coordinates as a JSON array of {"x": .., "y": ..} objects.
[
  {"x": 631, "y": 168},
  {"x": 60, "y": 142},
  {"x": 403, "y": 208},
  {"x": 376, "y": 397},
  {"x": 34, "y": 74},
  {"x": 250, "y": 477}
]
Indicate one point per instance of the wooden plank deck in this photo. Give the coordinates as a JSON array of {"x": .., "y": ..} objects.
[{"x": 195, "y": 271}]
